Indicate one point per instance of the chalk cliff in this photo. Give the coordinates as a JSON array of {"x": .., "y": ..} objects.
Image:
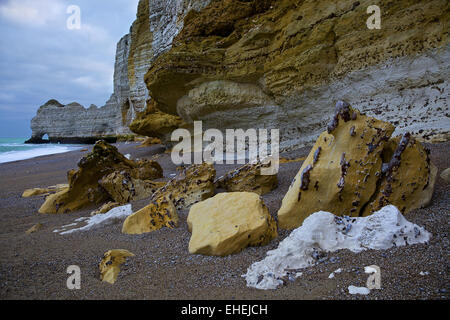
[
  {"x": 270, "y": 64},
  {"x": 74, "y": 123},
  {"x": 157, "y": 23},
  {"x": 282, "y": 64}
]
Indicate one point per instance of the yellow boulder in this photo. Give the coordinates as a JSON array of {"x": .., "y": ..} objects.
[
  {"x": 105, "y": 208},
  {"x": 159, "y": 213},
  {"x": 248, "y": 178},
  {"x": 111, "y": 262},
  {"x": 191, "y": 185},
  {"x": 355, "y": 168},
  {"x": 228, "y": 223},
  {"x": 408, "y": 176},
  {"x": 84, "y": 188},
  {"x": 341, "y": 171},
  {"x": 123, "y": 188},
  {"x": 149, "y": 141}
]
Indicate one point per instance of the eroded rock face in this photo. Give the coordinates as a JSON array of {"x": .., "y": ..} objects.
[
  {"x": 123, "y": 188},
  {"x": 228, "y": 223},
  {"x": 248, "y": 178},
  {"x": 159, "y": 213},
  {"x": 277, "y": 64},
  {"x": 84, "y": 188},
  {"x": 191, "y": 185},
  {"x": 408, "y": 176},
  {"x": 111, "y": 262},
  {"x": 153, "y": 122},
  {"x": 157, "y": 23},
  {"x": 355, "y": 168}
]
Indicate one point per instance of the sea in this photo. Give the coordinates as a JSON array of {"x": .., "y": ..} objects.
[{"x": 13, "y": 149}]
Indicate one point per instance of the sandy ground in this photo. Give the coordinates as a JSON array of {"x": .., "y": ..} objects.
[{"x": 34, "y": 266}]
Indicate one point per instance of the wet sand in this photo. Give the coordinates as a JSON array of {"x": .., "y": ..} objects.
[{"x": 34, "y": 266}]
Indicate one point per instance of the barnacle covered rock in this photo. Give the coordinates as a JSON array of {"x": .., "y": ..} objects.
[
  {"x": 193, "y": 184},
  {"x": 355, "y": 168},
  {"x": 84, "y": 188},
  {"x": 408, "y": 176},
  {"x": 111, "y": 262},
  {"x": 159, "y": 213},
  {"x": 123, "y": 188},
  {"x": 248, "y": 178}
]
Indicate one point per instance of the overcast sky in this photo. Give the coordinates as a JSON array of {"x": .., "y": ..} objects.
[{"x": 41, "y": 59}]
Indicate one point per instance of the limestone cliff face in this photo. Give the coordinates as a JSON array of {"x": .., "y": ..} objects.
[
  {"x": 282, "y": 64},
  {"x": 270, "y": 64},
  {"x": 73, "y": 123},
  {"x": 157, "y": 23}
]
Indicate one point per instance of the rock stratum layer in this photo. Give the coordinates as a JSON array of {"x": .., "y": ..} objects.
[{"x": 278, "y": 64}]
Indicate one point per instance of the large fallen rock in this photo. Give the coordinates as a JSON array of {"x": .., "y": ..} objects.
[
  {"x": 408, "y": 176},
  {"x": 158, "y": 214},
  {"x": 123, "y": 188},
  {"x": 248, "y": 178},
  {"x": 355, "y": 169},
  {"x": 111, "y": 262},
  {"x": 228, "y": 223},
  {"x": 84, "y": 188},
  {"x": 193, "y": 184},
  {"x": 323, "y": 232}
]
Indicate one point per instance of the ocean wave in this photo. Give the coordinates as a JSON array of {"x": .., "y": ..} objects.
[{"x": 22, "y": 151}]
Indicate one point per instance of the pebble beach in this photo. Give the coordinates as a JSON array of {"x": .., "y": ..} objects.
[{"x": 33, "y": 266}]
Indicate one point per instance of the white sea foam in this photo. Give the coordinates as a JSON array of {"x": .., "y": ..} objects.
[{"x": 19, "y": 151}]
